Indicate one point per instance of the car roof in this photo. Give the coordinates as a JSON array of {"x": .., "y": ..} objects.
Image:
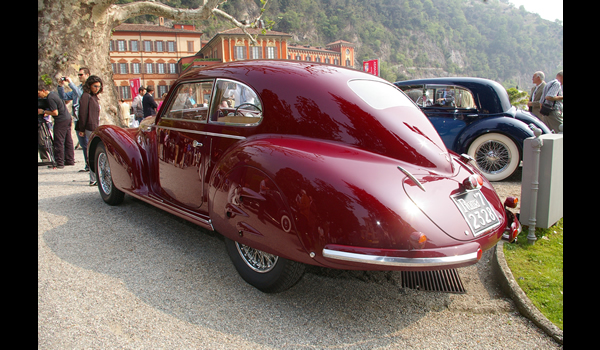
[{"x": 490, "y": 95}]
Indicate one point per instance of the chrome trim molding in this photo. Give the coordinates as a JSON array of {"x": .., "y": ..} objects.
[
  {"x": 411, "y": 176},
  {"x": 201, "y": 132},
  {"x": 399, "y": 261}
]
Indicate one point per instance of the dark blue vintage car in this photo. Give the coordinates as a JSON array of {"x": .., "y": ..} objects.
[{"x": 474, "y": 116}]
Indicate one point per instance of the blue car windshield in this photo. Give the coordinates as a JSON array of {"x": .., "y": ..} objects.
[{"x": 380, "y": 95}]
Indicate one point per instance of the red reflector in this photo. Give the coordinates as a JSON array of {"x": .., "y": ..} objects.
[{"x": 479, "y": 253}]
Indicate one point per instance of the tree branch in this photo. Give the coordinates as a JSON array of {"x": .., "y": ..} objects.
[{"x": 119, "y": 13}]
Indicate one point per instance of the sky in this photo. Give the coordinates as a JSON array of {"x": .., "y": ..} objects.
[{"x": 547, "y": 9}]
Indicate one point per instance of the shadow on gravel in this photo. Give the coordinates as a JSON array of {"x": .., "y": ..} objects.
[{"x": 184, "y": 271}]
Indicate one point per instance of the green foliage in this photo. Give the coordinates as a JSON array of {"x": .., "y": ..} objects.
[
  {"x": 494, "y": 39},
  {"x": 518, "y": 98},
  {"x": 538, "y": 269},
  {"x": 46, "y": 79}
]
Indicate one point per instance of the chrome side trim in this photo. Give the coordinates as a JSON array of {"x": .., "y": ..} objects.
[
  {"x": 201, "y": 132},
  {"x": 399, "y": 261}
]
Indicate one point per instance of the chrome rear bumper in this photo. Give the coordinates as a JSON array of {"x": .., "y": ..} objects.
[{"x": 402, "y": 261}]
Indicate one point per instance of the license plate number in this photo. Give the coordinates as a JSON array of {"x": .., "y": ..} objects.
[{"x": 477, "y": 211}]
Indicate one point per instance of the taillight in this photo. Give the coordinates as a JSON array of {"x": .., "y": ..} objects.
[
  {"x": 473, "y": 181},
  {"x": 417, "y": 240}
]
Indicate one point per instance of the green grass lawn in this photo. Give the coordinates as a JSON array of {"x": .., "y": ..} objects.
[{"x": 538, "y": 269}]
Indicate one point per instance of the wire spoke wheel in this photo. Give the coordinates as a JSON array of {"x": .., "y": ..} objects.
[
  {"x": 104, "y": 176},
  {"x": 496, "y": 155},
  {"x": 257, "y": 260},
  {"x": 492, "y": 156}
]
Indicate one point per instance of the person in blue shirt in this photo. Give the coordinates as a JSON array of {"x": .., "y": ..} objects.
[{"x": 74, "y": 95}]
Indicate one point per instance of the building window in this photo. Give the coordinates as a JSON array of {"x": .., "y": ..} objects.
[
  {"x": 271, "y": 52},
  {"x": 134, "y": 45},
  {"x": 162, "y": 89},
  {"x": 147, "y": 46},
  {"x": 121, "y": 45},
  {"x": 149, "y": 69},
  {"x": 255, "y": 52},
  {"x": 171, "y": 46},
  {"x": 135, "y": 68},
  {"x": 240, "y": 52},
  {"x": 122, "y": 68},
  {"x": 159, "y": 46},
  {"x": 173, "y": 68},
  {"x": 125, "y": 92},
  {"x": 161, "y": 68},
  {"x": 190, "y": 45}
]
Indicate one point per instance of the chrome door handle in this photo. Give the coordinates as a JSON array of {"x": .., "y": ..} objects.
[{"x": 197, "y": 144}]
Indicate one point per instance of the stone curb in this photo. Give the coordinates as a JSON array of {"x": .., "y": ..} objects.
[{"x": 524, "y": 305}]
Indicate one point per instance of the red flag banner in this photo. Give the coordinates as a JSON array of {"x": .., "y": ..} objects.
[
  {"x": 371, "y": 66},
  {"x": 134, "y": 84}
]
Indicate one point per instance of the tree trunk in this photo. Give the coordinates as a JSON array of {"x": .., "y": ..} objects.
[{"x": 76, "y": 33}]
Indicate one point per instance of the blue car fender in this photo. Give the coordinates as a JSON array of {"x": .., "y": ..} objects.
[{"x": 508, "y": 126}]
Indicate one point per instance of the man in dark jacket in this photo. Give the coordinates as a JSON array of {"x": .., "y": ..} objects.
[
  {"x": 148, "y": 102},
  {"x": 64, "y": 153}
]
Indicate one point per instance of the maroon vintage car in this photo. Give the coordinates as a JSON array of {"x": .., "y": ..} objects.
[{"x": 300, "y": 163}]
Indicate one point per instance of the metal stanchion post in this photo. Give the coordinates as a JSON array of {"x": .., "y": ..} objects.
[{"x": 535, "y": 184}]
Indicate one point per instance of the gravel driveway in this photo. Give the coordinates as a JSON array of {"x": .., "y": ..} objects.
[{"x": 134, "y": 277}]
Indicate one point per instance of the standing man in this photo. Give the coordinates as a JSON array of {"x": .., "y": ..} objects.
[
  {"x": 75, "y": 95},
  {"x": 536, "y": 94},
  {"x": 138, "y": 108},
  {"x": 149, "y": 103},
  {"x": 553, "y": 96},
  {"x": 64, "y": 153}
]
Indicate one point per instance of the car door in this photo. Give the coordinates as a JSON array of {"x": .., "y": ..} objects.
[
  {"x": 182, "y": 147},
  {"x": 235, "y": 113}
]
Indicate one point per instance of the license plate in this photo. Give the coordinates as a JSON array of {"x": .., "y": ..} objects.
[{"x": 477, "y": 211}]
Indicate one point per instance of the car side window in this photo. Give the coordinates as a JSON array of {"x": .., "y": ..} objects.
[
  {"x": 449, "y": 96},
  {"x": 418, "y": 95},
  {"x": 190, "y": 102},
  {"x": 235, "y": 104}
]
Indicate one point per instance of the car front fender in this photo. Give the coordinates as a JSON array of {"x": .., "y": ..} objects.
[{"x": 127, "y": 163}]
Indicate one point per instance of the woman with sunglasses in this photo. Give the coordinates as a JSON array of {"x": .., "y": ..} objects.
[{"x": 89, "y": 112}]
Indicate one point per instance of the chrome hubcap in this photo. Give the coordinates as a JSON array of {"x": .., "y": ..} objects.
[
  {"x": 104, "y": 173},
  {"x": 492, "y": 157},
  {"x": 257, "y": 260}
]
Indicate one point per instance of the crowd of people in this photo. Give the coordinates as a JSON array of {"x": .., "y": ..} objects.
[{"x": 85, "y": 114}]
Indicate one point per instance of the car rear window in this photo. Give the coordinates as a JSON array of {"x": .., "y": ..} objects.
[{"x": 380, "y": 95}]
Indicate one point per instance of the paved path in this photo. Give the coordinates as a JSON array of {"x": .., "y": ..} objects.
[{"x": 133, "y": 277}]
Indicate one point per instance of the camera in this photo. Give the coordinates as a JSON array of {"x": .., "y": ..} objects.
[{"x": 63, "y": 78}]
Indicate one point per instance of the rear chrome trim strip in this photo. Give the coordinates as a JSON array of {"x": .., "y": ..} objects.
[
  {"x": 412, "y": 177},
  {"x": 399, "y": 261}
]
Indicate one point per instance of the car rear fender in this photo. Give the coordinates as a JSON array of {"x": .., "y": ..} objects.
[
  {"x": 332, "y": 193},
  {"x": 124, "y": 156},
  {"x": 511, "y": 127}
]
